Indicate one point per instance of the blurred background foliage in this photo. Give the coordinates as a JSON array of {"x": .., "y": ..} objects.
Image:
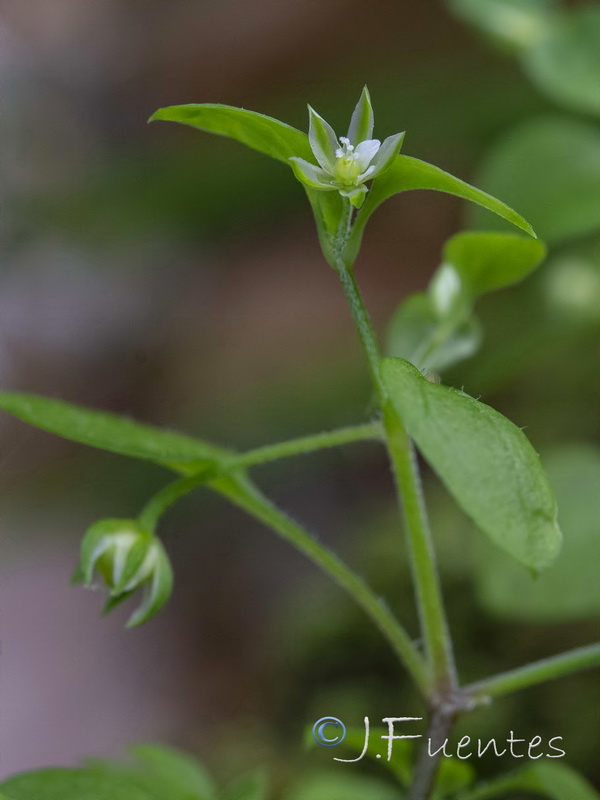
[{"x": 176, "y": 277}]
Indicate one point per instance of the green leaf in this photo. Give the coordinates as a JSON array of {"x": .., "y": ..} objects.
[
  {"x": 453, "y": 775},
  {"x": 489, "y": 261},
  {"x": 569, "y": 589},
  {"x": 76, "y": 784},
  {"x": 565, "y": 62},
  {"x": 551, "y": 779},
  {"x": 248, "y": 787},
  {"x": 408, "y": 173},
  {"x": 484, "y": 460},
  {"x": 345, "y": 785},
  {"x": 262, "y": 133},
  {"x": 110, "y": 432},
  {"x": 516, "y": 23},
  {"x": 550, "y": 169},
  {"x": 417, "y": 334},
  {"x": 184, "y": 777}
]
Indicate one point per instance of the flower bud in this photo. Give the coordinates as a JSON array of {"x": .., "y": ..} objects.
[{"x": 127, "y": 558}]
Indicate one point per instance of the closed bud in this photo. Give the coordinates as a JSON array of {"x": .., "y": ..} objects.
[{"x": 127, "y": 558}]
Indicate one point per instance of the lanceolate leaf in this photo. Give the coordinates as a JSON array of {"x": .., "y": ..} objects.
[
  {"x": 408, "y": 173},
  {"x": 268, "y": 136},
  {"x": 262, "y": 133},
  {"x": 110, "y": 432},
  {"x": 550, "y": 169},
  {"x": 484, "y": 460}
]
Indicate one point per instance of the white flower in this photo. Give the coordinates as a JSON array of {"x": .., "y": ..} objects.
[
  {"x": 345, "y": 165},
  {"x": 127, "y": 558}
]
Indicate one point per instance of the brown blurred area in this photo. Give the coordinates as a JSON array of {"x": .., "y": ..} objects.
[{"x": 163, "y": 274}]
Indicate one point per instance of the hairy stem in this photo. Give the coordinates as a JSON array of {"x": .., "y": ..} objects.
[
  {"x": 246, "y": 495},
  {"x": 371, "y": 431},
  {"x": 166, "y": 497},
  {"x": 362, "y": 320},
  {"x": 540, "y": 671},
  {"x": 422, "y": 557},
  {"x": 422, "y": 554}
]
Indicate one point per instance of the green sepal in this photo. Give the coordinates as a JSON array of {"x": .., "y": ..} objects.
[
  {"x": 323, "y": 141},
  {"x": 157, "y": 589},
  {"x": 362, "y": 121},
  {"x": 98, "y": 540},
  {"x": 311, "y": 175}
]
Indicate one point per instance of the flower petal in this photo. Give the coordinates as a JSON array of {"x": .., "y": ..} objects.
[
  {"x": 361, "y": 124},
  {"x": 387, "y": 153},
  {"x": 365, "y": 152},
  {"x": 323, "y": 140},
  {"x": 311, "y": 175}
]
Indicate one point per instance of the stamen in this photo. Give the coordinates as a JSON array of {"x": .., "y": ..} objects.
[{"x": 346, "y": 150}]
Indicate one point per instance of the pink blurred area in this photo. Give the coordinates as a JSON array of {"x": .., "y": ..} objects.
[{"x": 197, "y": 333}]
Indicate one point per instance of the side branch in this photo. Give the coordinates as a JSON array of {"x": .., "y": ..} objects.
[
  {"x": 243, "y": 493},
  {"x": 540, "y": 671}
]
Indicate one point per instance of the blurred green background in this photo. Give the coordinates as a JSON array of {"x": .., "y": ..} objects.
[{"x": 161, "y": 273}]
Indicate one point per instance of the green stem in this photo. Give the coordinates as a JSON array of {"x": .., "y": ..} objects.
[
  {"x": 422, "y": 554},
  {"x": 538, "y": 672},
  {"x": 244, "y": 494},
  {"x": 422, "y": 557},
  {"x": 364, "y": 326},
  {"x": 164, "y": 499},
  {"x": 308, "y": 444}
]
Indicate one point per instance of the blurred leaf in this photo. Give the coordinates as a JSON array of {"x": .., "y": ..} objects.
[
  {"x": 453, "y": 776},
  {"x": 353, "y": 744},
  {"x": 76, "y": 784},
  {"x": 517, "y": 23},
  {"x": 248, "y": 787},
  {"x": 417, "y": 334},
  {"x": 406, "y": 174},
  {"x": 489, "y": 261},
  {"x": 437, "y": 330},
  {"x": 184, "y": 776},
  {"x": 262, "y": 133},
  {"x": 551, "y": 779},
  {"x": 550, "y": 169},
  {"x": 111, "y": 432},
  {"x": 565, "y": 62},
  {"x": 484, "y": 460},
  {"x": 344, "y": 785},
  {"x": 571, "y": 286},
  {"x": 569, "y": 588}
]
